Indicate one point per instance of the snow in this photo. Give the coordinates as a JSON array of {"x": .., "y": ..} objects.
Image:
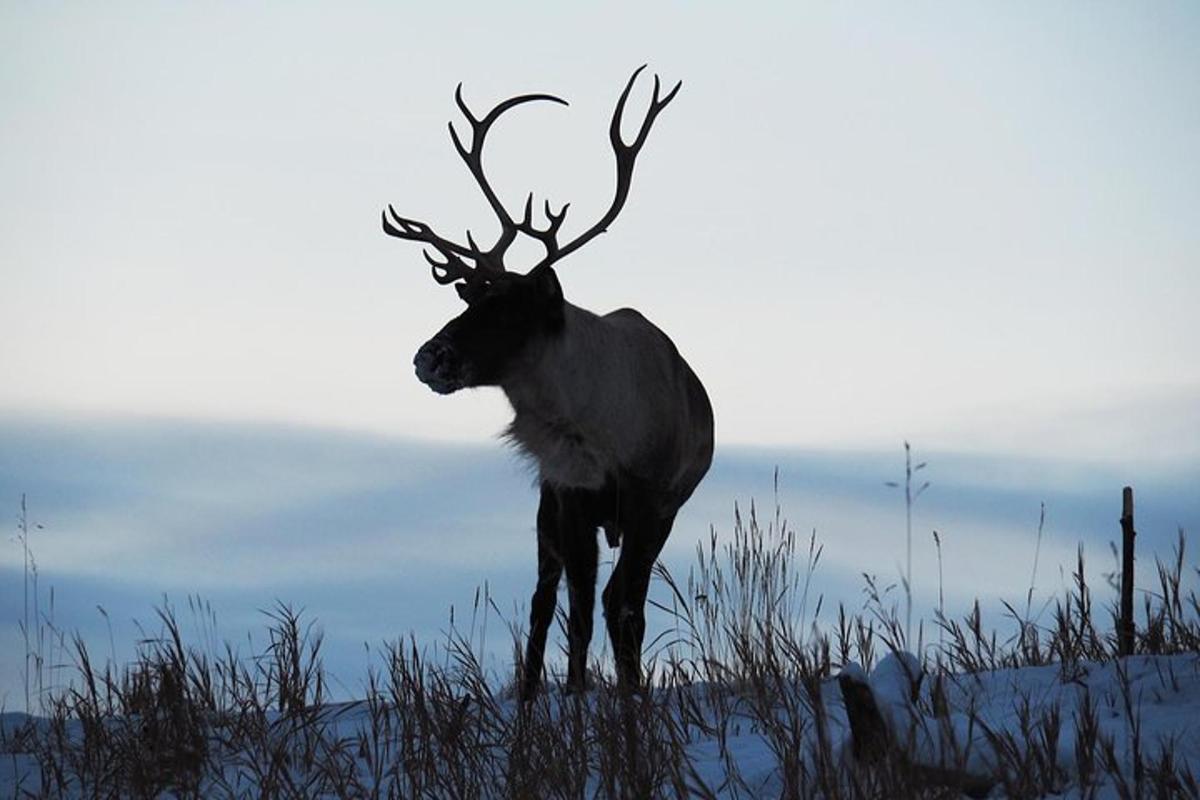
[{"x": 1146, "y": 703}]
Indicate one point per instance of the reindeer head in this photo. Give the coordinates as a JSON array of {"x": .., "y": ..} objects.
[{"x": 507, "y": 312}]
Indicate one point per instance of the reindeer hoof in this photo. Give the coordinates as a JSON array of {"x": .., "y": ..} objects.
[
  {"x": 578, "y": 685},
  {"x": 528, "y": 686}
]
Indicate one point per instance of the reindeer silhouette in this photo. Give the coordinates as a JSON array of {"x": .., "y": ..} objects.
[{"x": 618, "y": 425}]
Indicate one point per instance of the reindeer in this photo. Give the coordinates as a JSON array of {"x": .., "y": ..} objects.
[{"x": 617, "y": 424}]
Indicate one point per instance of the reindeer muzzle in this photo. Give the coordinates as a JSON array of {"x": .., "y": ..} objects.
[{"x": 439, "y": 367}]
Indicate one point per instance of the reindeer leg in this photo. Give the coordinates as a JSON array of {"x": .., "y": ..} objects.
[
  {"x": 581, "y": 552},
  {"x": 541, "y": 607},
  {"x": 625, "y": 597},
  {"x": 639, "y": 586}
]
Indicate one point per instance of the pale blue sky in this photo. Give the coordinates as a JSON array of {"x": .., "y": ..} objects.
[{"x": 977, "y": 225}]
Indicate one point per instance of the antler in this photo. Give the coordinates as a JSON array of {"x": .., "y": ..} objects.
[
  {"x": 626, "y": 155},
  {"x": 453, "y": 267},
  {"x": 490, "y": 262}
]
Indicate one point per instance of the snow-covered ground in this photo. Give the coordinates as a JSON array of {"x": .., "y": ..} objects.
[
  {"x": 1062, "y": 720},
  {"x": 1070, "y": 715}
]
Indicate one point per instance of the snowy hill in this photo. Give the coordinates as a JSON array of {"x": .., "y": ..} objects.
[{"x": 1123, "y": 728}]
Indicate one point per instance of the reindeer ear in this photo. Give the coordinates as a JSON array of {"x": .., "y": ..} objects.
[
  {"x": 469, "y": 292},
  {"x": 548, "y": 285}
]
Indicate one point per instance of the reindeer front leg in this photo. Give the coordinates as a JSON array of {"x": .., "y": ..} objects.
[
  {"x": 580, "y": 554},
  {"x": 541, "y": 607}
]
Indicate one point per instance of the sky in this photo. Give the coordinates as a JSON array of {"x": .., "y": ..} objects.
[
  {"x": 973, "y": 226},
  {"x": 963, "y": 223}
]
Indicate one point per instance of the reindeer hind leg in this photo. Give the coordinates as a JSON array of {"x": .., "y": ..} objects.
[{"x": 625, "y": 597}]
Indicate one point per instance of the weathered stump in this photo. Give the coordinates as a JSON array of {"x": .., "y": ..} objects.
[{"x": 873, "y": 741}]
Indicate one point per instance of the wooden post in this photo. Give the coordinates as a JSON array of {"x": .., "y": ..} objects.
[{"x": 1126, "y": 629}]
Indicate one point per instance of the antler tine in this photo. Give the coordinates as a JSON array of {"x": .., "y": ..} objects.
[
  {"x": 453, "y": 268},
  {"x": 556, "y": 220},
  {"x": 548, "y": 236},
  {"x": 656, "y": 106},
  {"x": 416, "y": 231},
  {"x": 450, "y": 270},
  {"x": 527, "y": 217},
  {"x": 626, "y": 157}
]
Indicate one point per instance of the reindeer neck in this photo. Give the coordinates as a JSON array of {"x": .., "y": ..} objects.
[{"x": 553, "y": 395}]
